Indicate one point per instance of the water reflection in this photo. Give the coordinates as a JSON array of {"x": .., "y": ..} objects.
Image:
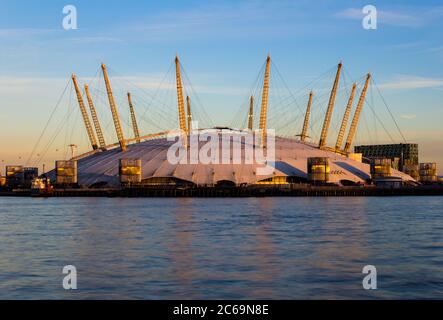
[
  {"x": 341, "y": 239},
  {"x": 180, "y": 248},
  {"x": 266, "y": 257},
  {"x": 254, "y": 248}
]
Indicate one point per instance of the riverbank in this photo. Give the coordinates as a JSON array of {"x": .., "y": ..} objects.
[{"x": 253, "y": 191}]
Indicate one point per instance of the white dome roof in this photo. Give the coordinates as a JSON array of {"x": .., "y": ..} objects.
[{"x": 290, "y": 160}]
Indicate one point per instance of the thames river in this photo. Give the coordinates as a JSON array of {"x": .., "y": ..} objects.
[{"x": 221, "y": 248}]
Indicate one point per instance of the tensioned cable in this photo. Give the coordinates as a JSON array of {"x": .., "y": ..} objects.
[
  {"x": 252, "y": 92},
  {"x": 197, "y": 98},
  {"x": 151, "y": 97},
  {"x": 389, "y": 110},
  {"x": 49, "y": 120}
]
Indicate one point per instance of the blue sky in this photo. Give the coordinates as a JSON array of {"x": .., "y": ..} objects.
[{"x": 222, "y": 45}]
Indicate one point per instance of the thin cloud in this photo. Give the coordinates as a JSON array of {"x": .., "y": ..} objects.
[
  {"x": 13, "y": 81},
  {"x": 408, "y": 116},
  {"x": 95, "y": 39},
  {"x": 14, "y": 84},
  {"x": 19, "y": 33},
  {"x": 409, "y": 45},
  {"x": 438, "y": 49},
  {"x": 155, "y": 83},
  {"x": 412, "y": 82},
  {"x": 151, "y": 82}
]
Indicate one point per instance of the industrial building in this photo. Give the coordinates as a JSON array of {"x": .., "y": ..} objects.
[
  {"x": 428, "y": 173},
  {"x": 402, "y": 155},
  {"x": 17, "y": 176}
]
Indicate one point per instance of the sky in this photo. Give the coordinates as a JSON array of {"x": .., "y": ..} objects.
[{"x": 222, "y": 46}]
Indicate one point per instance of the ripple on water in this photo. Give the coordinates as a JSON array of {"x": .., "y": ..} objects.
[{"x": 254, "y": 248}]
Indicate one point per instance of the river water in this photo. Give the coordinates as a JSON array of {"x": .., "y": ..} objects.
[{"x": 221, "y": 248}]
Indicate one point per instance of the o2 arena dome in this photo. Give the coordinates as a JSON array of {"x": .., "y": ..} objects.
[
  {"x": 290, "y": 165},
  {"x": 146, "y": 160}
]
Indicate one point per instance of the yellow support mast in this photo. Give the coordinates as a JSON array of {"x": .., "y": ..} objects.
[
  {"x": 251, "y": 113},
  {"x": 97, "y": 126},
  {"x": 133, "y": 119},
  {"x": 88, "y": 126},
  {"x": 114, "y": 111},
  {"x": 188, "y": 106},
  {"x": 304, "y": 133},
  {"x": 327, "y": 122},
  {"x": 357, "y": 113},
  {"x": 344, "y": 124},
  {"x": 180, "y": 100},
  {"x": 264, "y": 103}
]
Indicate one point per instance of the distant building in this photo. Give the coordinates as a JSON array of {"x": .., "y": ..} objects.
[{"x": 403, "y": 155}]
